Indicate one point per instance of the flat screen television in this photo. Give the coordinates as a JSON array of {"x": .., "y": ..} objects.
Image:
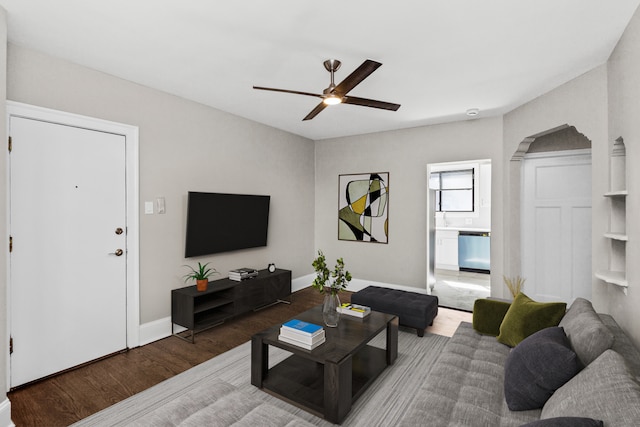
[{"x": 219, "y": 222}]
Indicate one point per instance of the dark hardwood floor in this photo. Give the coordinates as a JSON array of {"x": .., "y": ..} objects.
[{"x": 68, "y": 397}]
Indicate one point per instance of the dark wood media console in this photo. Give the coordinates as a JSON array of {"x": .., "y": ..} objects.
[{"x": 225, "y": 299}]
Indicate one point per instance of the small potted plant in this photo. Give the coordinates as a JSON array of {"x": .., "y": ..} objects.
[
  {"x": 324, "y": 283},
  {"x": 200, "y": 275}
]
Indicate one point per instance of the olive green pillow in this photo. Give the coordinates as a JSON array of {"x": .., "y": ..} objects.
[
  {"x": 526, "y": 316},
  {"x": 488, "y": 315}
]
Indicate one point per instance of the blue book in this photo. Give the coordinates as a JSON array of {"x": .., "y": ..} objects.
[{"x": 304, "y": 327}]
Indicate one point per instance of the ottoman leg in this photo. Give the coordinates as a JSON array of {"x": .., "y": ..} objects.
[{"x": 420, "y": 332}]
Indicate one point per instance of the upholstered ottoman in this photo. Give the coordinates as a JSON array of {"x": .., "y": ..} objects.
[{"x": 413, "y": 309}]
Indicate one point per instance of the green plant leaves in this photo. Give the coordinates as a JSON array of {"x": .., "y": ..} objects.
[
  {"x": 341, "y": 277},
  {"x": 203, "y": 272}
]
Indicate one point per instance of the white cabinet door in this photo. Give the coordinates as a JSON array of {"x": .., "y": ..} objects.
[{"x": 447, "y": 249}]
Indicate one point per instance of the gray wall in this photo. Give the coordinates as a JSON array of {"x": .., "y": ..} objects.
[
  {"x": 185, "y": 146},
  {"x": 405, "y": 155},
  {"x": 624, "y": 120},
  {"x": 565, "y": 139},
  {"x": 581, "y": 103}
]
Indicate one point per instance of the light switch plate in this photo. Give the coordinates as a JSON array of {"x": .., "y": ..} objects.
[
  {"x": 160, "y": 205},
  {"x": 148, "y": 208}
]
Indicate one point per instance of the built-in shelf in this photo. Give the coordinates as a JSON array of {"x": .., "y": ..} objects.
[
  {"x": 619, "y": 193},
  {"x": 616, "y": 274},
  {"x": 617, "y": 278},
  {"x": 617, "y": 236}
]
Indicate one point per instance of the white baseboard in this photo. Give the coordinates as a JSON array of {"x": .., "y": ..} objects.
[
  {"x": 5, "y": 414},
  {"x": 161, "y": 328},
  {"x": 302, "y": 282},
  {"x": 154, "y": 331}
]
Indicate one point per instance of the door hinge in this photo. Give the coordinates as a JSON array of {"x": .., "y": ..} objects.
[
  {"x": 10, "y": 244},
  {"x": 10, "y": 345},
  {"x": 10, "y": 144}
]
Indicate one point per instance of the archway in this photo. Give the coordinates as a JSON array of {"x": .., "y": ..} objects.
[{"x": 562, "y": 139}]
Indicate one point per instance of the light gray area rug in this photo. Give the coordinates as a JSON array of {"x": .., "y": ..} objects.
[{"x": 384, "y": 402}]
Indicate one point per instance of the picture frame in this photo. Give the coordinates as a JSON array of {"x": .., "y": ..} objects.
[{"x": 363, "y": 207}]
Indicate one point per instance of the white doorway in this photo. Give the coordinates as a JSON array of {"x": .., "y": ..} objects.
[
  {"x": 458, "y": 232},
  {"x": 556, "y": 225},
  {"x": 73, "y": 268}
]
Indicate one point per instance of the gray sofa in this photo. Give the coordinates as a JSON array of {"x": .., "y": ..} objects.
[{"x": 466, "y": 386}]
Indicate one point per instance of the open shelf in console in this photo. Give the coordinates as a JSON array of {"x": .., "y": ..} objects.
[{"x": 225, "y": 299}]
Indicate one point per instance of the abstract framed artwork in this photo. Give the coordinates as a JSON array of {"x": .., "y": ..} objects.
[{"x": 363, "y": 207}]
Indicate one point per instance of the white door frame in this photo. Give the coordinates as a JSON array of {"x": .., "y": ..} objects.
[
  {"x": 16, "y": 109},
  {"x": 431, "y": 220}
]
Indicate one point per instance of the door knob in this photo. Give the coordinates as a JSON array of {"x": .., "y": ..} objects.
[{"x": 118, "y": 252}]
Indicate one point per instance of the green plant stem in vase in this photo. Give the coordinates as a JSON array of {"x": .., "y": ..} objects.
[
  {"x": 330, "y": 283},
  {"x": 200, "y": 275}
]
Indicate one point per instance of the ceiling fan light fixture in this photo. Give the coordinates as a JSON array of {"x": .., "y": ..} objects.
[
  {"x": 338, "y": 94},
  {"x": 332, "y": 99}
]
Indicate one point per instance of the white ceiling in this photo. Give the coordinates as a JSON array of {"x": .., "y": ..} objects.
[{"x": 439, "y": 58}]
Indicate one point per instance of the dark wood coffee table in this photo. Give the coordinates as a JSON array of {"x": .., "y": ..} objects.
[{"x": 328, "y": 379}]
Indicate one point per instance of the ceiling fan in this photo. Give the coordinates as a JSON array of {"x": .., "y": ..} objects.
[{"x": 338, "y": 94}]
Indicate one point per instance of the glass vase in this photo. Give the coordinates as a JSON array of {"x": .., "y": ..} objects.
[{"x": 330, "y": 314}]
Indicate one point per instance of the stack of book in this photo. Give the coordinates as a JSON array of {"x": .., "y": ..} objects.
[
  {"x": 302, "y": 334},
  {"x": 242, "y": 273},
  {"x": 354, "y": 310}
]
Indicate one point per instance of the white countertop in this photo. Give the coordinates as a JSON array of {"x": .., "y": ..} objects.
[{"x": 454, "y": 228}]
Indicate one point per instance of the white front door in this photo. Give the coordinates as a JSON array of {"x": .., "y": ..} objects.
[
  {"x": 68, "y": 283},
  {"x": 556, "y": 226}
]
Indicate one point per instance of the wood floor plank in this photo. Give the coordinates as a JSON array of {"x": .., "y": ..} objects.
[{"x": 76, "y": 394}]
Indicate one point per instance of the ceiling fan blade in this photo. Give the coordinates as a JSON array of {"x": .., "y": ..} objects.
[
  {"x": 370, "y": 103},
  {"x": 315, "y": 111},
  {"x": 297, "y": 92},
  {"x": 358, "y": 75}
]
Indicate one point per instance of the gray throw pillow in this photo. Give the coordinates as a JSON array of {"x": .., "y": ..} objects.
[
  {"x": 603, "y": 390},
  {"x": 537, "y": 367},
  {"x": 589, "y": 337},
  {"x": 579, "y": 305}
]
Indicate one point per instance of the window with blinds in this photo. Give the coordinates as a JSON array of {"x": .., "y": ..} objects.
[{"x": 454, "y": 190}]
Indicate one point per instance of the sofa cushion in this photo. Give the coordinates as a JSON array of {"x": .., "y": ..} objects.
[
  {"x": 588, "y": 335},
  {"x": 623, "y": 345},
  {"x": 526, "y": 316},
  {"x": 603, "y": 390},
  {"x": 239, "y": 410},
  {"x": 579, "y": 306},
  {"x": 565, "y": 422},
  {"x": 537, "y": 367},
  {"x": 465, "y": 386},
  {"x": 207, "y": 402},
  {"x": 488, "y": 315}
]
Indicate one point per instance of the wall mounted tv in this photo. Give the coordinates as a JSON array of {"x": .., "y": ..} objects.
[{"x": 218, "y": 222}]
